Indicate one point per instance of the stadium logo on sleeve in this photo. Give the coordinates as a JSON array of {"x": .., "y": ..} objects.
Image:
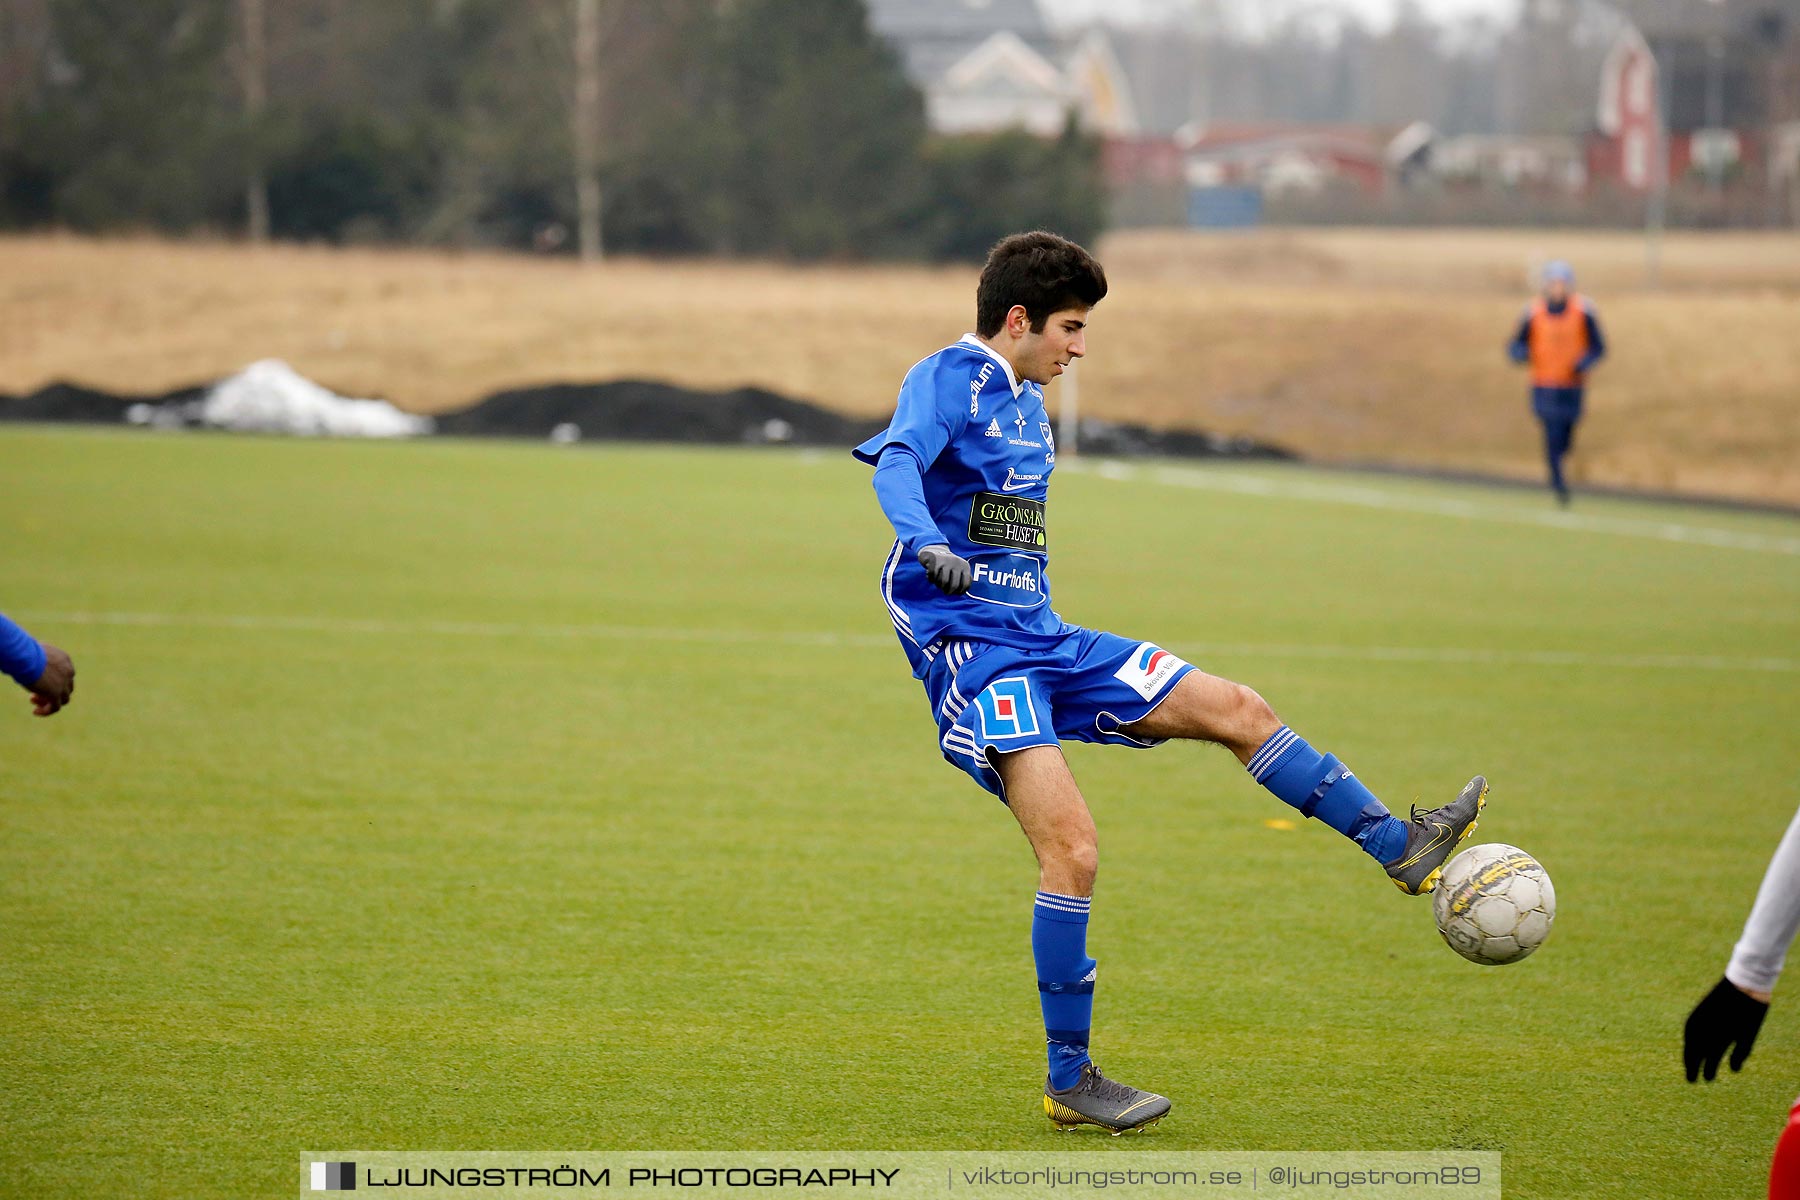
[
  {"x": 1148, "y": 670},
  {"x": 1006, "y": 709},
  {"x": 333, "y": 1177},
  {"x": 975, "y": 386}
]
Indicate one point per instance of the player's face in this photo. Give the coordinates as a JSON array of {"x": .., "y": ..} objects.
[
  {"x": 1556, "y": 291},
  {"x": 1044, "y": 356}
]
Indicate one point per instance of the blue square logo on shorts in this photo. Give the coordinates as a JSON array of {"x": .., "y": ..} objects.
[{"x": 1006, "y": 709}]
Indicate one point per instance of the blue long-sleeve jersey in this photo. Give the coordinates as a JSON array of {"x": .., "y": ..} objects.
[
  {"x": 966, "y": 463},
  {"x": 21, "y": 657}
]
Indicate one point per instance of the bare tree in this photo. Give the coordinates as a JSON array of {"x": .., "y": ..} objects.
[
  {"x": 24, "y": 46},
  {"x": 253, "y": 74},
  {"x": 584, "y": 126}
]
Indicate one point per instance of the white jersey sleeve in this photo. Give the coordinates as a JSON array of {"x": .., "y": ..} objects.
[{"x": 1774, "y": 918}]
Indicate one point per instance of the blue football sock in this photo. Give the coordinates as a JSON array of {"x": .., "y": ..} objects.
[
  {"x": 1320, "y": 786},
  {"x": 1065, "y": 982}
]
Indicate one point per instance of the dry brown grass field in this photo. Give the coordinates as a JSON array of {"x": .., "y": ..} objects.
[{"x": 1346, "y": 346}]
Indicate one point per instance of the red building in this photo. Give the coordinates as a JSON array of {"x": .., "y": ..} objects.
[
  {"x": 1282, "y": 156},
  {"x": 1718, "y": 92}
]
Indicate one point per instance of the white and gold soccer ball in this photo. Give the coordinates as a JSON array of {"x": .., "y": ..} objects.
[{"x": 1494, "y": 904}]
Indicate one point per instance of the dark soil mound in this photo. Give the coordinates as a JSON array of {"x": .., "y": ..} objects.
[
  {"x": 1132, "y": 441},
  {"x": 630, "y": 410},
  {"x": 74, "y": 403},
  {"x": 639, "y": 411}
]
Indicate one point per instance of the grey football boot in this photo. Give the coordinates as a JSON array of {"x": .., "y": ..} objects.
[
  {"x": 1097, "y": 1100},
  {"x": 1431, "y": 836}
]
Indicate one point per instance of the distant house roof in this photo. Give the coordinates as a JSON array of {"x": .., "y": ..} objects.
[
  {"x": 1104, "y": 89},
  {"x": 1158, "y": 74},
  {"x": 1002, "y": 83},
  {"x": 1685, "y": 18},
  {"x": 1755, "y": 37},
  {"x": 997, "y": 64},
  {"x": 1220, "y": 135},
  {"x": 1286, "y": 155},
  {"x": 933, "y": 35}
]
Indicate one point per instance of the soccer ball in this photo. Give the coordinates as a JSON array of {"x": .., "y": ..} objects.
[{"x": 1494, "y": 904}]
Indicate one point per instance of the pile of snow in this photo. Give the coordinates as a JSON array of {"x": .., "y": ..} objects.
[{"x": 271, "y": 397}]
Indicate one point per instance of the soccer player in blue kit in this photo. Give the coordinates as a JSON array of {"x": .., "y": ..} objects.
[{"x": 962, "y": 472}]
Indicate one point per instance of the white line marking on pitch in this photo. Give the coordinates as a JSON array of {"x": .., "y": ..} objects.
[
  {"x": 1420, "y": 654},
  {"x": 461, "y": 628},
  {"x": 1369, "y": 497},
  {"x": 1539, "y": 658}
]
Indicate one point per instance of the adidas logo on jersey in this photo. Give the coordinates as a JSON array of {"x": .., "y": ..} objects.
[{"x": 993, "y": 429}]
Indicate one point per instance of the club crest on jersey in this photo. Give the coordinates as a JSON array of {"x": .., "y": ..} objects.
[
  {"x": 1148, "y": 670},
  {"x": 1007, "y": 710},
  {"x": 1049, "y": 441},
  {"x": 1020, "y": 423},
  {"x": 993, "y": 429}
]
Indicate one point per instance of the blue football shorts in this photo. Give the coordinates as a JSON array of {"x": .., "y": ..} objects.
[{"x": 990, "y": 699}]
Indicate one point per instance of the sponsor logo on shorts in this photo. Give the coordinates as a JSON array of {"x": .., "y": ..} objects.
[
  {"x": 1009, "y": 521},
  {"x": 1007, "y": 710},
  {"x": 1148, "y": 669}
]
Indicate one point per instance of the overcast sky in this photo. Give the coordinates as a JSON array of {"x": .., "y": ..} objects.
[{"x": 1377, "y": 12}]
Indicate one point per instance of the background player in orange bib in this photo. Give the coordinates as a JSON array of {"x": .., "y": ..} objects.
[{"x": 1559, "y": 339}]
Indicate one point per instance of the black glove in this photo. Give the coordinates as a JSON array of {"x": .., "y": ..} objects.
[
  {"x": 1727, "y": 1015},
  {"x": 950, "y": 572}
]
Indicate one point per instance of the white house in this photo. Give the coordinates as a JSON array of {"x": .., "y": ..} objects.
[{"x": 995, "y": 64}]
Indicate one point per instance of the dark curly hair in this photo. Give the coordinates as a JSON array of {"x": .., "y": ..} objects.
[{"x": 1041, "y": 270}]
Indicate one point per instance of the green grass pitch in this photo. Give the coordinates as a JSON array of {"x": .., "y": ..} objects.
[{"x": 497, "y": 796}]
